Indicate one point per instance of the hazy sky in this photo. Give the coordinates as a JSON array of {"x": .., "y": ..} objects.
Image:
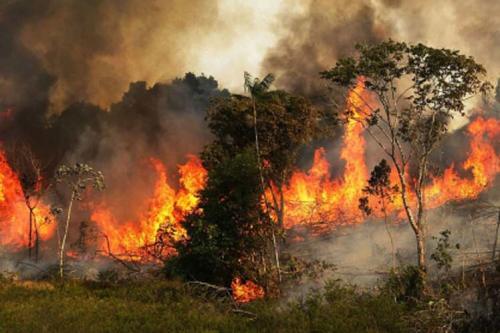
[{"x": 95, "y": 48}]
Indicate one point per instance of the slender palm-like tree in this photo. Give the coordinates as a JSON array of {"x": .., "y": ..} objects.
[{"x": 256, "y": 87}]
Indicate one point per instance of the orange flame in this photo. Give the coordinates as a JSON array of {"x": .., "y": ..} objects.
[
  {"x": 483, "y": 163},
  {"x": 314, "y": 199},
  {"x": 313, "y": 196},
  {"x": 246, "y": 292},
  {"x": 166, "y": 209},
  {"x": 14, "y": 214}
]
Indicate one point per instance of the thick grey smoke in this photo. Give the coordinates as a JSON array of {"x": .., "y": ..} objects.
[
  {"x": 363, "y": 254},
  {"x": 314, "y": 39},
  {"x": 94, "y": 49}
]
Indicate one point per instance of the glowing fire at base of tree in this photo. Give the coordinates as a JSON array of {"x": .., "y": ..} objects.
[
  {"x": 14, "y": 213},
  {"x": 246, "y": 292}
]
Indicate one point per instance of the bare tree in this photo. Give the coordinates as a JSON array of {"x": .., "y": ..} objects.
[
  {"x": 78, "y": 178},
  {"x": 29, "y": 170}
]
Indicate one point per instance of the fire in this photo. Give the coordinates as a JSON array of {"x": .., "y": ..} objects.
[
  {"x": 483, "y": 163},
  {"x": 313, "y": 198},
  {"x": 166, "y": 208},
  {"x": 192, "y": 180},
  {"x": 14, "y": 214},
  {"x": 246, "y": 292}
]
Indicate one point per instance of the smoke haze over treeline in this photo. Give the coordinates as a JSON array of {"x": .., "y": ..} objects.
[{"x": 105, "y": 81}]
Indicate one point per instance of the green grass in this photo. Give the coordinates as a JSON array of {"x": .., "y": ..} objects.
[{"x": 167, "y": 306}]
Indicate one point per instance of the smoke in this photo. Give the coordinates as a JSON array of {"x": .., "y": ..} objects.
[
  {"x": 462, "y": 25},
  {"x": 363, "y": 254},
  {"x": 95, "y": 48},
  {"x": 165, "y": 121},
  {"x": 66, "y": 69},
  {"x": 315, "y": 38}
]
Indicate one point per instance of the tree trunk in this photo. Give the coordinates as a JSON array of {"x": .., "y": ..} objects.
[
  {"x": 30, "y": 231},
  {"x": 416, "y": 225},
  {"x": 421, "y": 253},
  {"x": 37, "y": 239},
  {"x": 493, "y": 253},
  {"x": 386, "y": 222},
  {"x": 65, "y": 235},
  {"x": 263, "y": 188}
]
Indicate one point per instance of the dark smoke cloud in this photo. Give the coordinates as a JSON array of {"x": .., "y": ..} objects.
[
  {"x": 59, "y": 60},
  {"x": 165, "y": 121},
  {"x": 326, "y": 31},
  {"x": 93, "y": 49}
]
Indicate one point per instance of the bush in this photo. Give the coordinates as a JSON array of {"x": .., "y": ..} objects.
[{"x": 405, "y": 285}]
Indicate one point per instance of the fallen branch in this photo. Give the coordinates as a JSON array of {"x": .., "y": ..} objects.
[{"x": 128, "y": 265}]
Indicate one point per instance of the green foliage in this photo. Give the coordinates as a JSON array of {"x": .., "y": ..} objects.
[
  {"x": 229, "y": 233},
  {"x": 441, "y": 254},
  {"x": 340, "y": 308},
  {"x": 379, "y": 186},
  {"x": 255, "y": 86},
  {"x": 152, "y": 307},
  {"x": 415, "y": 91},
  {"x": 436, "y": 84},
  {"x": 405, "y": 285},
  {"x": 285, "y": 123},
  {"x": 168, "y": 306}
]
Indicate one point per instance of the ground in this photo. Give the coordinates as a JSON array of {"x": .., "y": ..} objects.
[{"x": 169, "y": 306}]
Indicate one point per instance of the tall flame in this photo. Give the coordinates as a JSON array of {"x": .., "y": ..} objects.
[
  {"x": 313, "y": 198},
  {"x": 14, "y": 214},
  {"x": 483, "y": 163},
  {"x": 166, "y": 208}
]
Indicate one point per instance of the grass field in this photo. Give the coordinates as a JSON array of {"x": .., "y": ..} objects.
[{"x": 169, "y": 306}]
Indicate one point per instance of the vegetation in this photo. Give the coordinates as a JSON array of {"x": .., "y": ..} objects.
[
  {"x": 256, "y": 146},
  {"x": 417, "y": 90},
  {"x": 30, "y": 170},
  {"x": 77, "y": 178},
  {"x": 229, "y": 234},
  {"x": 237, "y": 228},
  {"x": 174, "y": 307}
]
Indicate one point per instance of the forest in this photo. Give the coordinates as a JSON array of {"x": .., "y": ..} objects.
[{"x": 357, "y": 194}]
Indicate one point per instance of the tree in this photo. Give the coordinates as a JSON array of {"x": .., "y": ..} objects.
[
  {"x": 276, "y": 125},
  {"x": 77, "y": 178},
  {"x": 29, "y": 170},
  {"x": 257, "y": 88},
  {"x": 416, "y": 91},
  {"x": 379, "y": 186},
  {"x": 228, "y": 235}
]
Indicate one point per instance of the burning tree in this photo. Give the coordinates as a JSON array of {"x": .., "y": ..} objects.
[
  {"x": 416, "y": 91},
  {"x": 29, "y": 170},
  {"x": 275, "y": 125},
  {"x": 229, "y": 232},
  {"x": 78, "y": 178}
]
